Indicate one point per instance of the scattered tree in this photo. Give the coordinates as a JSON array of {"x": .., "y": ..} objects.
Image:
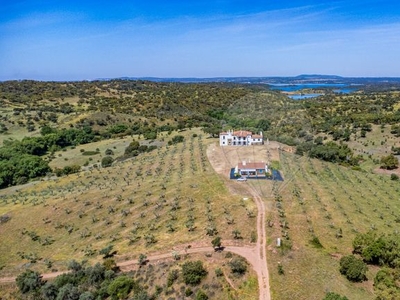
[
  {"x": 193, "y": 272},
  {"x": 353, "y": 268},
  {"x": 389, "y": 162},
  {"x": 29, "y": 282},
  {"x": 107, "y": 161}
]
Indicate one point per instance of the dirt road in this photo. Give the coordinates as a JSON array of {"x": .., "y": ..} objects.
[{"x": 223, "y": 159}]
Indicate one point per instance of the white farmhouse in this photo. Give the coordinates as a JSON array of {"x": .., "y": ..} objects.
[{"x": 240, "y": 138}]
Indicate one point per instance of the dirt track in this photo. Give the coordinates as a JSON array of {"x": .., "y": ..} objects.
[{"x": 223, "y": 159}]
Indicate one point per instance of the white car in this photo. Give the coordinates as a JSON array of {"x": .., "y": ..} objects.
[{"x": 242, "y": 179}]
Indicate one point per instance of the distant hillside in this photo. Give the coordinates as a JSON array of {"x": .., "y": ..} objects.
[{"x": 378, "y": 82}]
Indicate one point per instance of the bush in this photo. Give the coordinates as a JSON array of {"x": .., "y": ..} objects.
[
  {"x": 281, "y": 271},
  {"x": 120, "y": 287},
  {"x": 193, "y": 272},
  {"x": 89, "y": 153},
  {"x": 68, "y": 291},
  {"x": 107, "y": 161},
  {"x": 49, "y": 291},
  {"x": 316, "y": 242},
  {"x": 389, "y": 162},
  {"x": 109, "y": 152},
  {"x": 201, "y": 295},
  {"x": 334, "y": 296},
  {"x": 216, "y": 243},
  {"x": 29, "y": 281},
  {"x": 188, "y": 292},
  {"x": 172, "y": 277},
  {"x": 238, "y": 266},
  {"x": 4, "y": 218},
  {"x": 394, "y": 177},
  {"x": 132, "y": 148},
  {"x": 218, "y": 272},
  {"x": 353, "y": 268},
  {"x": 151, "y": 135},
  {"x": 176, "y": 139}
]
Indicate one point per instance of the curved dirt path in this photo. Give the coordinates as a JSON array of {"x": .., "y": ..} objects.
[
  {"x": 223, "y": 159},
  {"x": 255, "y": 255}
]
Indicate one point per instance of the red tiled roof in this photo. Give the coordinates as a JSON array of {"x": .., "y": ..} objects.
[
  {"x": 242, "y": 133},
  {"x": 252, "y": 165},
  {"x": 257, "y": 136},
  {"x": 223, "y": 133}
]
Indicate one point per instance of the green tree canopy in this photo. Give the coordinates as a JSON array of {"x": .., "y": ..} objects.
[
  {"x": 389, "y": 162},
  {"x": 29, "y": 282},
  {"x": 353, "y": 268},
  {"x": 193, "y": 272},
  {"x": 107, "y": 161}
]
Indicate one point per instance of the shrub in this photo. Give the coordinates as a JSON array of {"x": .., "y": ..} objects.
[
  {"x": 394, "y": 176},
  {"x": 218, "y": 272},
  {"x": 316, "y": 242},
  {"x": 172, "y": 277},
  {"x": 151, "y": 135},
  {"x": 193, "y": 272},
  {"x": 176, "y": 139},
  {"x": 120, "y": 287},
  {"x": 216, "y": 243},
  {"x": 253, "y": 237},
  {"x": 86, "y": 296},
  {"x": 281, "y": 271},
  {"x": 188, "y": 292},
  {"x": 334, "y": 296},
  {"x": 68, "y": 291},
  {"x": 107, "y": 161},
  {"x": 29, "y": 281},
  {"x": 5, "y": 218},
  {"x": 132, "y": 149},
  {"x": 109, "y": 152},
  {"x": 353, "y": 268},
  {"x": 238, "y": 266},
  {"x": 49, "y": 291},
  {"x": 201, "y": 295},
  {"x": 89, "y": 153},
  {"x": 384, "y": 279},
  {"x": 389, "y": 162}
]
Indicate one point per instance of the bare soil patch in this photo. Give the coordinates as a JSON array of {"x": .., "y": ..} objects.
[{"x": 224, "y": 158}]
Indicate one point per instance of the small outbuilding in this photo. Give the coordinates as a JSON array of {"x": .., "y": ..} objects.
[{"x": 252, "y": 169}]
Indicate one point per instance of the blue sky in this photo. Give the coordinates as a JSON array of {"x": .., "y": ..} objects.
[{"x": 79, "y": 40}]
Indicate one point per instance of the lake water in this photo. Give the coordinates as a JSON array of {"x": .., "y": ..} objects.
[
  {"x": 303, "y": 96},
  {"x": 335, "y": 87}
]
